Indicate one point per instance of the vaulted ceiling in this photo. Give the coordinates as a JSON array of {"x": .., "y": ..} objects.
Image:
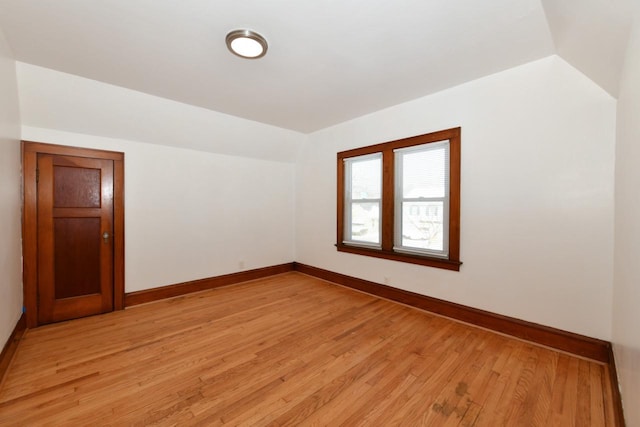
[{"x": 328, "y": 61}]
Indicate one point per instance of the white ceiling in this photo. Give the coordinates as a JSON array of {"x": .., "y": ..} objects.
[{"x": 328, "y": 61}]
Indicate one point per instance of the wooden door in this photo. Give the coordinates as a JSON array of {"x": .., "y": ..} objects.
[
  {"x": 73, "y": 232},
  {"x": 75, "y": 237}
]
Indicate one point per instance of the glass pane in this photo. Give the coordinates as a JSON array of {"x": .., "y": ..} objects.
[
  {"x": 365, "y": 222},
  {"x": 366, "y": 178},
  {"x": 423, "y": 173},
  {"x": 422, "y": 225}
]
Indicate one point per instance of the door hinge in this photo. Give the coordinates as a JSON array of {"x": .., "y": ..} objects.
[{"x": 37, "y": 175}]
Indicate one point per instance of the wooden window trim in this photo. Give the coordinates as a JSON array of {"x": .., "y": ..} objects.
[{"x": 386, "y": 252}]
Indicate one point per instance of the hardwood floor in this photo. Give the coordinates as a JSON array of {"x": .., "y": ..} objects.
[{"x": 293, "y": 350}]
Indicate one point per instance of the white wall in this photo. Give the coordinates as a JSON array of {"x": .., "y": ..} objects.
[
  {"x": 537, "y": 196},
  {"x": 54, "y": 100},
  {"x": 626, "y": 303},
  {"x": 220, "y": 200},
  {"x": 190, "y": 214},
  {"x": 10, "y": 202}
]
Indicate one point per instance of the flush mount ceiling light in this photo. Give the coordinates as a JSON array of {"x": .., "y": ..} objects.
[{"x": 246, "y": 44}]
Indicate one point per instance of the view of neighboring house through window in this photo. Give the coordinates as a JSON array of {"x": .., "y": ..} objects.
[{"x": 400, "y": 200}]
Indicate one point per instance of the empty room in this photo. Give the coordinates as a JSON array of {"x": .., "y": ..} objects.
[{"x": 321, "y": 213}]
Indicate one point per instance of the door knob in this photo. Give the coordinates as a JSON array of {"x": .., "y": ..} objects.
[{"x": 105, "y": 236}]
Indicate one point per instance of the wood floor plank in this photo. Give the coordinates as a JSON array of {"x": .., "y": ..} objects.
[
  {"x": 546, "y": 371},
  {"x": 607, "y": 390},
  {"x": 293, "y": 350},
  {"x": 596, "y": 395},
  {"x": 571, "y": 397}
]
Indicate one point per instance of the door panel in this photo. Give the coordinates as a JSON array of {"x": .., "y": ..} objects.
[
  {"x": 75, "y": 237},
  {"x": 76, "y": 256},
  {"x": 76, "y": 187}
]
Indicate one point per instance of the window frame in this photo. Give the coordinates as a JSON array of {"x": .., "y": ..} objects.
[
  {"x": 399, "y": 200},
  {"x": 388, "y": 210},
  {"x": 350, "y": 201}
]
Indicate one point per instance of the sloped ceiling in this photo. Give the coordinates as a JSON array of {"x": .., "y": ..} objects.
[
  {"x": 591, "y": 35},
  {"x": 328, "y": 61}
]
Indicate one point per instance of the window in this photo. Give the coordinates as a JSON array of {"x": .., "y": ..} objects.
[
  {"x": 400, "y": 200},
  {"x": 363, "y": 199}
]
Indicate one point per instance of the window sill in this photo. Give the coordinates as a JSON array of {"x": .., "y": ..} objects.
[{"x": 446, "y": 264}]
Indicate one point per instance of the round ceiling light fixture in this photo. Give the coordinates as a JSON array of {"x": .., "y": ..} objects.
[{"x": 246, "y": 44}]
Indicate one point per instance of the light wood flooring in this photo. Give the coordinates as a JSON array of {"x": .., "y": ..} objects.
[{"x": 293, "y": 350}]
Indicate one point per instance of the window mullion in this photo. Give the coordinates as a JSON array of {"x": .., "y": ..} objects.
[{"x": 388, "y": 194}]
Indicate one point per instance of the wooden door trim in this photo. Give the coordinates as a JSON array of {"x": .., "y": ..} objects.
[{"x": 30, "y": 152}]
